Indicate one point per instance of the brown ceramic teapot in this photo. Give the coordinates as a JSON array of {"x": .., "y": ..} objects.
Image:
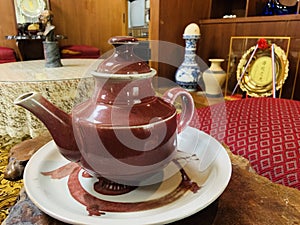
[{"x": 123, "y": 132}]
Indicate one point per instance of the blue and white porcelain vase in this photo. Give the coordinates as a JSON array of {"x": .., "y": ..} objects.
[
  {"x": 189, "y": 73},
  {"x": 214, "y": 78}
]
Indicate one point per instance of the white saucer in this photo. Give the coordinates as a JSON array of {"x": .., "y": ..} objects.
[{"x": 212, "y": 173}]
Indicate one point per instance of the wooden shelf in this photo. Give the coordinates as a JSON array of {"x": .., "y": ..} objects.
[
  {"x": 216, "y": 35},
  {"x": 221, "y": 8},
  {"x": 254, "y": 19},
  {"x": 246, "y": 8}
]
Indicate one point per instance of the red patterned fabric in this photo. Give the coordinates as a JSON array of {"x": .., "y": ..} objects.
[
  {"x": 80, "y": 51},
  {"x": 264, "y": 130},
  {"x": 7, "y": 55}
]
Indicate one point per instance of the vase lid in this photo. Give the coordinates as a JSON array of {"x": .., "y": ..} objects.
[
  {"x": 123, "y": 60},
  {"x": 192, "y": 29}
]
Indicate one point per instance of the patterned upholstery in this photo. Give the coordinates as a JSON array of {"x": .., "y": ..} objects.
[
  {"x": 7, "y": 55},
  {"x": 79, "y": 51},
  {"x": 264, "y": 130}
]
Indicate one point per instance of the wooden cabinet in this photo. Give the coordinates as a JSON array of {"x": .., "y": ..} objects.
[
  {"x": 245, "y": 8},
  {"x": 168, "y": 19},
  {"x": 8, "y": 23},
  {"x": 216, "y": 34},
  {"x": 217, "y": 31},
  {"x": 233, "y": 7}
]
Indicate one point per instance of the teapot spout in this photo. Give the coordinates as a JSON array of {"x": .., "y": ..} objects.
[{"x": 57, "y": 122}]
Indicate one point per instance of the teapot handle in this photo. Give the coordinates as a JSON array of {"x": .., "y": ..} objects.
[{"x": 187, "y": 103}]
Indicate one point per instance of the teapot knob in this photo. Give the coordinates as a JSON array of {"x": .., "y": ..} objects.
[
  {"x": 120, "y": 40},
  {"x": 123, "y": 60}
]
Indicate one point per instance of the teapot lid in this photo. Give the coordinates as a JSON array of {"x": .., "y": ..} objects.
[{"x": 123, "y": 60}]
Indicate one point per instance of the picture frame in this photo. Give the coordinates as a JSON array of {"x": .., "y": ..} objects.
[
  {"x": 28, "y": 11},
  {"x": 249, "y": 70}
]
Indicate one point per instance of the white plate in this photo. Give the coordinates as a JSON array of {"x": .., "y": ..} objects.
[{"x": 212, "y": 173}]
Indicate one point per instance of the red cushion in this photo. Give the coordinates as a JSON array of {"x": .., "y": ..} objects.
[
  {"x": 266, "y": 131},
  {"x": 79, "y": 51},
  {"x": 7, "y": 55}
]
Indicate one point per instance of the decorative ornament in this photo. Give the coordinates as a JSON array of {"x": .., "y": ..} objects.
[
  {"x": 50, "y": 45},
  {"x": 31, "y": 8},
  {"x": 188, "y": 74},
  {"x": 214, "y": 77},
  {"x": 262, "y": 70},
  {"x": 280, "y": 7}
]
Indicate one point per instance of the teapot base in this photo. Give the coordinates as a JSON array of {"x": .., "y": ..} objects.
[{"x": 107, "y": 187}]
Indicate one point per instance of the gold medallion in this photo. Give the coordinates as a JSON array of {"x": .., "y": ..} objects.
[{"x": 257, "y": 80}]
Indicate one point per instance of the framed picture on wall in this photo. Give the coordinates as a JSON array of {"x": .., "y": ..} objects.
[
  {"x": 28, "y": 11},
  {"x": 257, "y": 66}
]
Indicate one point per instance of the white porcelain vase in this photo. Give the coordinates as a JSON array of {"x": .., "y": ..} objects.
[{"x": 214, "y": 78}]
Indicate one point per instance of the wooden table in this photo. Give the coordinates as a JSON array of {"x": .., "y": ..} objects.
[
  {"x": 248, "y": 199},
  {"x": 202, "y": 100}
]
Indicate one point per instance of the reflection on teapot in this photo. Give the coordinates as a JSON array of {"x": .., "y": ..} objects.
[{"x": 124, "y": 132}]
